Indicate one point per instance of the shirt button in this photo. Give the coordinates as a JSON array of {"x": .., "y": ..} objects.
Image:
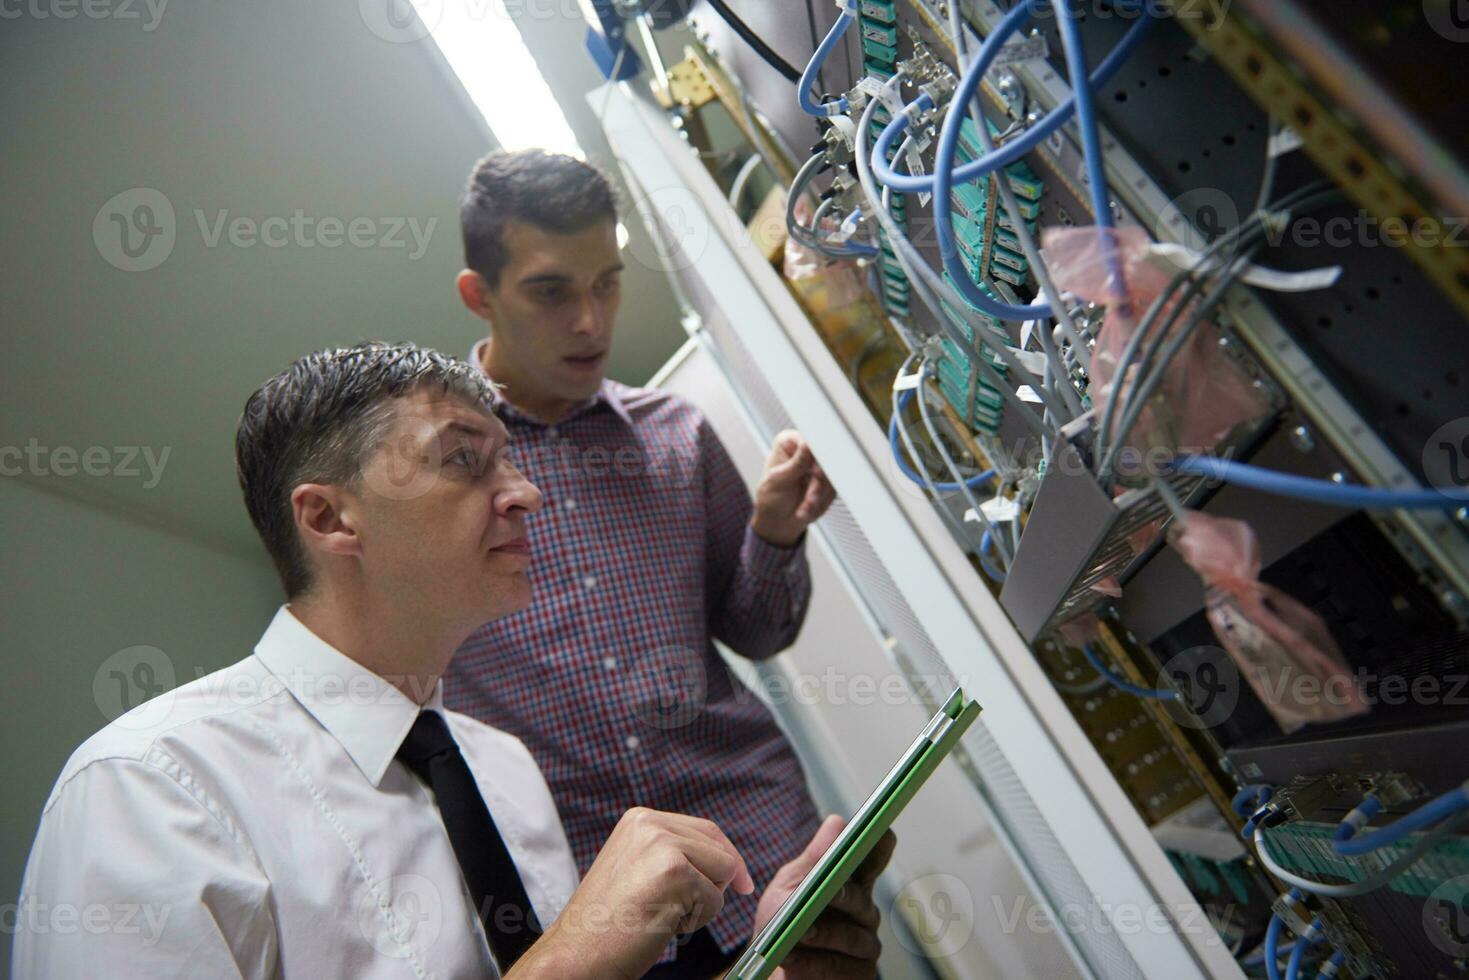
[
  {"x": 551, "y": 432},
  {"x": 610, "y": 663},
  {"x": 590, "y": 582},
  {"x": 569, "y": 504},
  {"x": 632, "y": 742}
]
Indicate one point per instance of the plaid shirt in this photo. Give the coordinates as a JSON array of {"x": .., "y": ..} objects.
[{"x": 642, "y": 553}]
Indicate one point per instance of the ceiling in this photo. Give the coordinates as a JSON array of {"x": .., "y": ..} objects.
[{"x": 296, "y": 112}]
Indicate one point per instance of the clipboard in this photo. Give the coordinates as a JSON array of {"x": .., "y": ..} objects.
[{"x": 856, "y": 841}]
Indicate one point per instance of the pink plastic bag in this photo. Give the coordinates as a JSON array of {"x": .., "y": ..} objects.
[
  {"x": 1204, "y": 393},
  {"x": 843, "y": 284},
  {"x": 1283, "y": 649}
]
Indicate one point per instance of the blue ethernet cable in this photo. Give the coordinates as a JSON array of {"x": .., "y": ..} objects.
[
  {"x": 1122, "y": 683},
  {"x": 1250, "y": 798},
  {"x": 1318, "y": 491},
  {"x": 823, "y": 50},
  {"x": 986, "y": 545},
  {"x": 1298, "y": 955},
  {"x": 1013, "y": 149},
  {"x": 1091, "y": 144},
  {"x": 1349, "y": 841},
  {"x": 974, "y": 482}
]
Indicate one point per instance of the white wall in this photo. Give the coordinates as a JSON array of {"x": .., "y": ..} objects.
[{"x": 81, "y": 588}]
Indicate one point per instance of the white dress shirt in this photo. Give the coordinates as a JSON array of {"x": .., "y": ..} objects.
[{"x": 256, "y": 823}]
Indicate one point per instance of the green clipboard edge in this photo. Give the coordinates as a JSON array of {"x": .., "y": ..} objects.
[{"x": 872, "y": 820}]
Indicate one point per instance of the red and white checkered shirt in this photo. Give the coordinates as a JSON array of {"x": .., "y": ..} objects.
[{"x": 642, "y": 554}]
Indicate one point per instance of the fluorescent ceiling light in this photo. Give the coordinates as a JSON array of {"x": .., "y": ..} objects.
[{"x": 485, "y": 48}]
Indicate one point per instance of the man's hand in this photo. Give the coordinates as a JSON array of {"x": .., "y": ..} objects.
[
  {"x": 842, "y": 943},
  {"x": 793, "y": 491},
  {"x": 659, "y": 875}
]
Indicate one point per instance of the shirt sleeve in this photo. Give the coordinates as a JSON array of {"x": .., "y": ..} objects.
[
  {"x": 133, "y": 875},
  {"x": 757, "y": 592}
]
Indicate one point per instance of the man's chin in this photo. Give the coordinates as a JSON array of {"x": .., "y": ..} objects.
[{"x": 512, "y": 595}]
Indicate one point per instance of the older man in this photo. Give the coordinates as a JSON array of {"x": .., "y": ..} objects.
[{"x": 313, "y": 810}]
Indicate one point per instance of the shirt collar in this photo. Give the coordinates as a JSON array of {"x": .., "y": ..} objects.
[
  {"x": 606, "y": 394},
  {"x": 366, "y": 714}
]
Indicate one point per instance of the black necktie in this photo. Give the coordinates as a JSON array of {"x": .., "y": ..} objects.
[{"x": 494, "y": 884}]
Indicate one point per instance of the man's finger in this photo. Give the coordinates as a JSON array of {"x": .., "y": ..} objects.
[
  {"x": 830, "y": 829},
  {"x": 705, "y": 833},
  {"x": 785, "y": 445},
  {"x": 798, "y": 462}
]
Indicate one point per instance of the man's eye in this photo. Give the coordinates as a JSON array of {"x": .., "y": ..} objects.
[
  {"x": 552, "y": 294},
  {"x": 464, "y": 457}
]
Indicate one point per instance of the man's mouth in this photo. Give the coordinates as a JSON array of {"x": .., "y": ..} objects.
[
  {"x": 586, "y": 361},
  {"x": 518, "y": 546}
]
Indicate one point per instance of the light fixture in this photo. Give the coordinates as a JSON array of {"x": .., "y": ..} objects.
[{"x": 485, "y": 49}]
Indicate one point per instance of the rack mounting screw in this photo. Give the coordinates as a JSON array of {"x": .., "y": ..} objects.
[{"x": 1300, "y": 437}]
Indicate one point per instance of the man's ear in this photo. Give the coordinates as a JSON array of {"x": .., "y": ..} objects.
[
  {"x": 474, "y": 293},
  {"x": 325, "y": 519}
]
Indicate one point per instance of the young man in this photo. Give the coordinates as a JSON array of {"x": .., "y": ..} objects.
[
  {"x": 314, "y": 811},
  {"x": 653, "y": 551}
]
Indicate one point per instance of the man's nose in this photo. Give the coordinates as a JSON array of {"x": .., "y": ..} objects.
[
  {"x": 519, "y": 494},
  {"x": 589, "y": 316}
]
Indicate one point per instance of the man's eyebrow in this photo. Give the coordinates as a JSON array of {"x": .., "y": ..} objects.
[
  {"x": 561, "y": 277},
  {"x": 469, "y": 428},
  {"x": 549, "y": 277}
]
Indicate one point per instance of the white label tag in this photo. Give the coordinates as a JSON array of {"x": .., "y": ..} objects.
[
  {"x": 1024, "y": 49},
  {"x": 1027, "y": 394},
  {"x": 1033, "y": 361},
  {"x": 1175, "y": 257},
  {"x": 999, "y": 510},
  {"x": 1284, "y": 141}
]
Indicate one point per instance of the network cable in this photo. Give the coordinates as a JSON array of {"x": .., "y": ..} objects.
[
  {"x": 968, "y": 494},
  {"x": 926, "y": 282},
  {"x": 1013, "y": 150},
  {"x": 1091, "y": 145},
  {"x": 1348, "y": 839},
  {"x": 1122, "y": 683},
  {"x": 1324, "y": 492},
  {"x": 1038, "y": 265},
  {"x": 1311, "y": 937},
  {"x": 974, "y": 482},
  {"x": 1149, "y": 374},
  {"x": 766, "y": 53},
  {"x": 823, "y": 51},
  {"x": 1373, "y": 881}
]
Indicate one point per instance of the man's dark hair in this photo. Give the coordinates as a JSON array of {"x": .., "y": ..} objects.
[
  {"x": 552, "y": 191},
  {"x": 318, "y": 420}
]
